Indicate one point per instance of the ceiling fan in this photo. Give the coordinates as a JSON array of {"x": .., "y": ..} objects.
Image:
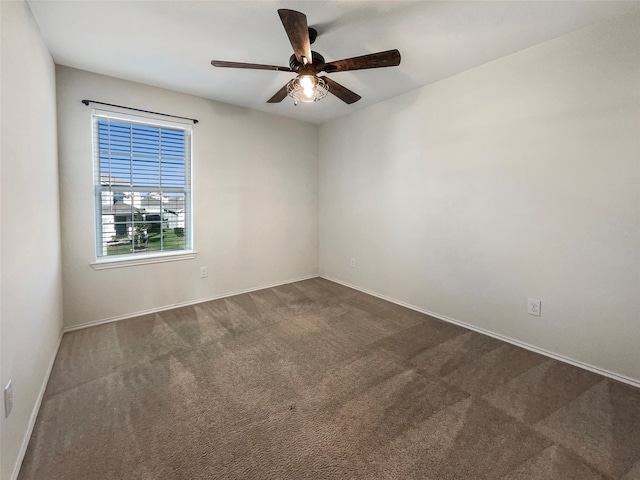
[{"x": 308, "y": 86}]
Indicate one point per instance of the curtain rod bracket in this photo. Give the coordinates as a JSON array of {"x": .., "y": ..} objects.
[{"x": 87, "y": 102}]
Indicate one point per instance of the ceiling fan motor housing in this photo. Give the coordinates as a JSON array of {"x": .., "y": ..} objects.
[{"x": 296, "y": 66}]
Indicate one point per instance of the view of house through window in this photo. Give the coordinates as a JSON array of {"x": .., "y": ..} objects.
[{"x": 143, "y": 185}]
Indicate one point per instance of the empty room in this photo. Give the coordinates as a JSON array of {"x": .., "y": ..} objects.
[{"x": 319, "y": 240}]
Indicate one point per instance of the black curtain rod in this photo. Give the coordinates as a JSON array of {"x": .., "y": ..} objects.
[{"x": 87, "y": 102}]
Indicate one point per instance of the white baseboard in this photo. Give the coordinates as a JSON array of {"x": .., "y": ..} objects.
[
  {"x": 182, "y": 304},
  {"x": 36, "y": 407},
  {"x": 34, "y": 412},
  {"x": 533, "y": 348},
  {"x": 518, "y": 343}
]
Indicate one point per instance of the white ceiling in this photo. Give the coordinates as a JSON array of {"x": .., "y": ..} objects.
[{"x": 170, "y": 44}]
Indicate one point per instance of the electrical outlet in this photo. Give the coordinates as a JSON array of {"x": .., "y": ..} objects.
[
  {"x": 204, "y": 272},
  {"x": 8, "y": 399},
  {"x": 533, "y": 307},
  {"x": 353, "y": 263}
]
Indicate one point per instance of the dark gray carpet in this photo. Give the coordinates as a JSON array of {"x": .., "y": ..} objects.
[{"x": 313, "y": 380}]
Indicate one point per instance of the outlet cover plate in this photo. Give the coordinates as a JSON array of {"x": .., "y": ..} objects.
[{"x": 533, "y": 307}]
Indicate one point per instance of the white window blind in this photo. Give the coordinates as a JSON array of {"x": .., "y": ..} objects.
[{"x": 142, "y": 185}]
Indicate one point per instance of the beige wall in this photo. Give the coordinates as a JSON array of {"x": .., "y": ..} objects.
[
  {"x": 520, "y": 178},
  {"x": 517, "y": 179},
  {"x": 255, "y": 191},
  {"x": 31, "y": 298}
]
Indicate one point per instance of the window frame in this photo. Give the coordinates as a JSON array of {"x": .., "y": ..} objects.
[{"x": 157, "y": 256}]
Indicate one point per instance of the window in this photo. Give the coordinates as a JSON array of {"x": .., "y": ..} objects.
[{"x": 142, "y": 186}]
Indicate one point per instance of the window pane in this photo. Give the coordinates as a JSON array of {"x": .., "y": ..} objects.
[
  {"x": 146, "y": 159},
  {"x": 174, "y": 211},
  {"x": 117, "y": 215},
  {"x": 134, "y": 222}
]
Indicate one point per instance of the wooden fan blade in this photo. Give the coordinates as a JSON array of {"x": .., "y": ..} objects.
[
  {"x": 295, "y": 24},
  {"x": 390, "y": 58},
  {"x": 343, "y": 93},
  {"x": 253, "y": 66},
  {"x": 279, "y": 96}
]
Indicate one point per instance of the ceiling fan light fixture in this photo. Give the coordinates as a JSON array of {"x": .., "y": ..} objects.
[{"x": 307, "y": 88}]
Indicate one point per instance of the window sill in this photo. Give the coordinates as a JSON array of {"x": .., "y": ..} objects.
[{"x": 141, "y": 259}]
